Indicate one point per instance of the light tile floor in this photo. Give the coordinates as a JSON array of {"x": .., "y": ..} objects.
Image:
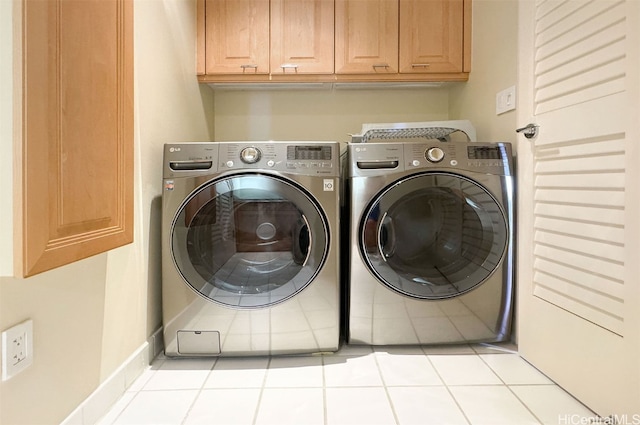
[{"x": 477, "y": 384}]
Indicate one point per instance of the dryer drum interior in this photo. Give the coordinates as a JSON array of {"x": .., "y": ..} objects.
[
  {"x": 249, "y": 241},
  {"x": 433, "y": 235}
]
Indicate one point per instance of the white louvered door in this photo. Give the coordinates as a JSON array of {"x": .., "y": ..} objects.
[{"x": 579, "y": 179}]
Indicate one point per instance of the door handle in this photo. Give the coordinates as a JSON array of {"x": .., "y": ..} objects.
[
  {"x": 530, "y": 130},
  {"x": 386, "y": 236}
]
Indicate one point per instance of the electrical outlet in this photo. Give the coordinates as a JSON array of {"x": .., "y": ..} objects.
[
  {"x": 17, "y": 349},
  {"x": 506, "y": 100}
]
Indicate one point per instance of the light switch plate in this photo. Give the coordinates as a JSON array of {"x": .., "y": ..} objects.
[{"x": 506, "y": 100}]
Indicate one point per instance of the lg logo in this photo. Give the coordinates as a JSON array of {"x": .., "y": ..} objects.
[{"x": 172, "y": 149}]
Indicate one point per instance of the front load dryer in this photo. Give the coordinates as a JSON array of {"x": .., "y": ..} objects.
[
  {"x": 431, "y": 242},
  {"x": 250, "y": 261}
]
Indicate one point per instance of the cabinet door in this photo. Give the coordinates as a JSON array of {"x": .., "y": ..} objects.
[
  {"x": 431, "y": 36},
  {"x": 302, "y": 36},
  {"x": 77, "y": 144},
  {"x": 366, "y": 36},
  {"x": 237, "y": 36}
]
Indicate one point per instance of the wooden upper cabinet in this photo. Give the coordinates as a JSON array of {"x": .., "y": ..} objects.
[
  {"x": 401, "y": 36},
  {"x": 262, "y": 37},
  {"x": 334, "y": 40},
  {"x": 236, "y": 36},
  {"x": 302, "y": 36},
  {"x": 431, "y": 36},
  {"x": 366, "y": 36},
  {"x": 77, "y": 131}
]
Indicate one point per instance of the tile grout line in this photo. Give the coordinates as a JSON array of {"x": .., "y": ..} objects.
[
  {"x": 386, "y": 389},
  {"x": 138, "y": 391},
  {"x": 262, "y": 387},
  {"x": 455, "y": 400},
  {"x": 325, "y": 409},
  {"x": 509, "y": 388},
  {"x": 525, "y": 405},
  {"x": 199, "y": 391},
  {"x": 124, "y": 408}
]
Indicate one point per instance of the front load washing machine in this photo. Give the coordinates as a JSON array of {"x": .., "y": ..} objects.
[
  {"x": 250, "y": 261},
  {"x": 431, "y": 242}
]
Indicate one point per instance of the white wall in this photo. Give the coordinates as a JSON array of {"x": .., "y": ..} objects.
[
  {"x": 324, "y": 114},
  {"x": 493, "y": 68},
  {"x": 90, "y": 316},
  {"x": 169, "y": 107},
  {"x": 6, "y": 136}
]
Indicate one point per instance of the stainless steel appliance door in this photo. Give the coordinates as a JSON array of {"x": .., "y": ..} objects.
[
  {"x": 433, "y": 235},
  {"x": 249, "y": 240}
]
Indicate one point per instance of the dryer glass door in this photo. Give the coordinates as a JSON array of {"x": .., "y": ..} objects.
[
  {"x": 249, "y": 240},
  {"x": 433, "y": 235}
]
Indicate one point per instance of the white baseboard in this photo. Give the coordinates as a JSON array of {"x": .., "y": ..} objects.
[{"x": 103, "y": 398}]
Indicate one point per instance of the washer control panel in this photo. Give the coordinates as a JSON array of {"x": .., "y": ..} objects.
[
  {"x": 293, "y": 157},
  {"x": 434, "y": 154},
  {"x": 199, "y": 158},
  {"x": 250, "y": 155}
]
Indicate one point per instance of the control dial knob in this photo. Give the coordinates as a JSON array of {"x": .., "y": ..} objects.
[
  {"x": 435, "y": 155},
  {"x": 250, "y": 155}
]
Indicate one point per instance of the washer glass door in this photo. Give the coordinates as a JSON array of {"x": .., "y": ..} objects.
[
  {"x": 433, "y": 235},
  {"x": 249, "y": 240}
]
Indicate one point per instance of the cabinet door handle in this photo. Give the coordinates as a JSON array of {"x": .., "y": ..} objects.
[
  {"x": 286, "y": 66},
  {"x": 420, "y": 65},
  {"x": 380, "y": 65},
  {"x": 249, "y": 66}
]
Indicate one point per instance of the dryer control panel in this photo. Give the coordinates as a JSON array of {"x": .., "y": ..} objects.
[
  {"x": 369, "y": 159},
  {"x": 491, "y": 158}
]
